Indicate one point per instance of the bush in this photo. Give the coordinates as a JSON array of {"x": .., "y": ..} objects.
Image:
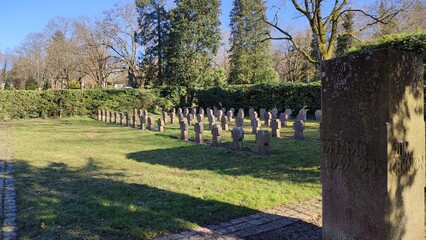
[{"x": 51, "y": 103}]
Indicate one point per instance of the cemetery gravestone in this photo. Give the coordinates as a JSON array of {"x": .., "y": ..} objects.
[
  {"x": 241, "y": 113},
  {"x": 142, "y": 119},
  {"x": 190, "y": 118},
  {"x": 199, "y": 129},
  {"x": 184, "y": 130},
  {"x": 193, "y": 112},
  {"x": 115, "y": 117},
  {"x": 165, "y": 115},
  {"x": 127, "y": 120},
  {"x": 276, "y": 127},
  {"x": 99, "y": 115},
  {"x": 239, "y": 122},
  {"x": 255, "y": 125},
  {"x": 160, "y": 124},
  {"x": 289, "y": 112},
  {"x": 185, "y": 112},
  {"x": 135, "y": 121},
  {"x": 318, "y": 115},
  {"x": 201, "y": 111},
  {"x": 237, "y": 138},
  {"x": 121, "y": 119},
  {"x": 172, "y": 117},
  {"x": 111, "y": 117},
  {"x": 200, "y": 118},
  {"x": 251, "y": 111},
  {"x": 229, "y": 115},
  {"x": 299, "y": 127},
  {"x": 179, "y": 111},
  {"x": 302, "y": 115},
  {"x": 274, "y": 113},
  {"x": 284, "y": 119},
  {"x": 150, "y": 124},
  {"x": 217, "y": 135},
  {"x": 262, "y": 113},
  {"x": 145, "y": 113},
  {"x": 372, "y": 164},
  {"x": 224, "y": 122},
  {"x": 212, "y": 120},
  {"x": 263, "y": 139},
  {"x": 268, "y": 118}
]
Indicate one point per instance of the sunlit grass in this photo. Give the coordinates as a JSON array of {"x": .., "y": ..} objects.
[{"x": 82, "y": 179}]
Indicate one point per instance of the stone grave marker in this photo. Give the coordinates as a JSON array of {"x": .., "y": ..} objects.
[
  {"x": 127, "y": 119},
  {"x": 200, "y": 118},
  {"x": 268, "y": 119},
  {"x": 229, "y": 115},
  {"x": 251, "y": 111},
  {"x": 276, "y": 127},
  {"x": 179, "y": 111},
  {"x": 219, "y": 114},
  {"x": 165, "y": 115},
  {"x": 173, "y": 110},
  {"x": 190, "y": 119},
  {"x": 215, "y": 111},
  {"x": 151, "y": 124},
  {"x": 284, "y": 119},
  {"x": 373, "y": 146},
  {"x": 255, "y": 125},
  {"x": 184, "y": 130},
  {"x": 115, "y": 117},
  {"x": 135, "y": 121},
  {"x": 217, "y": 135},
  {"x": 201, "y": 111},
  {"x": 289, "y": 112},
  {"x": 212, "y": 120},
  {"x": 262, "y": 113},
  {"x": 237, "y": 139},
  {"x": 274, "y": 113},
  {"x": 121, "y": 119},
  {"x": 299, "y": 127},
  {"x": 208, "y": 111},
  {"x": 185, "y": 112},
  {"x": 99, "y": 115},
  {"x": 160, "y": 124},
  {"x": 180, "y": 117},
  {"x": 302, "y": 115},
  {"x": 199, "y": 129},
  {"x": 223, "y": 111},
  {"x": 318, "y": 115},
  {"x": 263, "y": 139},
  {"x": 172, "y": 117},
  {"x": 239, "y": 122},
  {"x": 224, "y": 123},
  {"x": 135, "y": 112},
  {"x": 142, "y": 120},
  {"x": 111, "y": 117},
  {"x": 241, "y": 113},
  {"x": 193, "y": 112},
  {"x": 145, "y": 113}
]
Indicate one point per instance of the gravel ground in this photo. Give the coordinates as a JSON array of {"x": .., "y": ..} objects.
[{"x": 296, "y": 231}]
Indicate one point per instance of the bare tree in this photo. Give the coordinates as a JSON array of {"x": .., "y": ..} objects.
[
  {"x": 121, "y": 27},
  {"x": 325, "y": 26}
]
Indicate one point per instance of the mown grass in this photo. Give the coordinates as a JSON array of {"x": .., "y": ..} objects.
[{"x": 78, "y": 178}]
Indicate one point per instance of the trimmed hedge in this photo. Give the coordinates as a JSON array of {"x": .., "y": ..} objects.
[
  {"x": 52, "y": 103},
  {"x": 258, "y": 96}
]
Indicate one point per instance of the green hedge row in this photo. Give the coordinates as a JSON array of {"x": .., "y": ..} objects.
[{"x": 51, "y": 103}]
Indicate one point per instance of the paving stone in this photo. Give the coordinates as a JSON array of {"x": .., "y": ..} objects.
[
  {"x": 213, "y": 227},
  {"x": 255, "y": 222},
  {"x": 242, "y": 226},
  {"x": 225, "y": 224},
  {"x": 188, "y": 233},
  {"x": 175, "y": 237},
  {"x": 238, "y": 220},
  {"x": 254, "y": 230},
  {"x": 242, "y": 233}
]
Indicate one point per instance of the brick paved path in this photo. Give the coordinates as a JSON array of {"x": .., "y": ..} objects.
[
  {"x": 239, "y": 228},
  {"x": 7, "y": 186}
]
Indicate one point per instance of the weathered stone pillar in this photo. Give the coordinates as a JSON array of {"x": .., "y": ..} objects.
[
  {"x": 239, "y": 122},
  {"x": 373, "y": 146},
  {"x": 121, "y": 119},
  {"x": 299, "y": 127},
  {"x": 224, "y": 123},
  {"x": 199, "y": 130},
  {"x": 160, "y": 124},
  {"x": 255, "y": 125},
  {"x": 237, "y": 138},
  {"x": 150, "y": 121},
  {"x": 184, "y": 130},
  {"x": 142, "y": 122},
  {"x": 276, "y": 128},
  {"x": 99, "y": 115},
  {"x": 263, "y": 138},
  {"x": 217, "y": 135}
]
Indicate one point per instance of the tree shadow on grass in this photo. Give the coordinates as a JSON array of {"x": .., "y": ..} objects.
[
  {"x": 61, "y": 202},
  {"x": 298, "y": 163}
]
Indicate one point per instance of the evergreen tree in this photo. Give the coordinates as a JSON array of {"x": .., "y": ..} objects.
[
  {"x": 154, "y": 28},
  {"x": 250, "y": 57},
  {"x": 344, "y": 42},
  {"x": 193, "y": 42}
]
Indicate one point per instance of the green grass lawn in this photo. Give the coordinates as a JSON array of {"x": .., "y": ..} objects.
[{"x": 78, "y": 178}]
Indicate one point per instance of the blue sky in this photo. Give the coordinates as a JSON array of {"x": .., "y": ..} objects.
[{"x": 18, "y": 18}]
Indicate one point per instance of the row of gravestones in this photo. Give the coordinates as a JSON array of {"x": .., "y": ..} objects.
[{"x": 186, "y": 118}]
